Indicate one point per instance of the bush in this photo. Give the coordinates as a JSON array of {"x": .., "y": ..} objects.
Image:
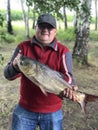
[
  {"x": 15, "y": 15},
  {"x": 67, "y": 35},
  {"x": 1, "y": 59},
  {"x": 94, "y": 35}
]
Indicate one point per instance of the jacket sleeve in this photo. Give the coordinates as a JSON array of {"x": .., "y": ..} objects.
[
  {"x": 67, "y": 68},
  {"x": 10, "y": 72}
]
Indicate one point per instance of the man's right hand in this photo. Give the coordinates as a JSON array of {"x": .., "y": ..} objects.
[{"x": 15, "y": 64}]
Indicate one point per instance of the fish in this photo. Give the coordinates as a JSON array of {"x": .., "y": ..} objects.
[{"x": 49, "y": 80}]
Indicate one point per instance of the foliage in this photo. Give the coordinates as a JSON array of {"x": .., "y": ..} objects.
[
  {"x": 62, "y": 35},
  {"x": 1, "y": 25},
  {"x": 1, "y": 59},
  {"x": 51, "y": 6},
  {"x": 5, "y": 36},
  {"x": 66, "y": 35},
  {"x": 15, "y": 15},
  {"x": 54, "y": 7},
  {"x": 1, "y": 20},
  {"x": 94, "y": 35}
]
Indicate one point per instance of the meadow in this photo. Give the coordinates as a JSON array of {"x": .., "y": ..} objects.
[{"x": 86, "y": 78}]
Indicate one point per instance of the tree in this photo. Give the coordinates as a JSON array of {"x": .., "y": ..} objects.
[
  {"x": 25, "y": 17},
  {"x": 54, "y": 7},
  {"x": 9, "y": 25},
  {"x": 96, "y": 14},
  {"x": 65, "y": 16},
  {"x": 80, "y": 50}
]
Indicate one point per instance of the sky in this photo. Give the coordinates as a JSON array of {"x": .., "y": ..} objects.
[{"x": 16, "y": 5}]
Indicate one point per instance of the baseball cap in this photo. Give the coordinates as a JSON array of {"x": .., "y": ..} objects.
[{"x": 47, "y": 18}]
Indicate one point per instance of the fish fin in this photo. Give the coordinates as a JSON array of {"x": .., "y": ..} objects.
[
  {"x": 40, "y": 85},
  {"x": 88, "y": 98},
  {"x": 42, "y": 89},
  {"x": 83, "y": 106}
]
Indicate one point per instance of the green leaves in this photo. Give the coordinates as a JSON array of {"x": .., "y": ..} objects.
[
  {"x": 55, "y": 6},
  {"x": 1, "y": 59},
  {"x": 1, "y": 20}
]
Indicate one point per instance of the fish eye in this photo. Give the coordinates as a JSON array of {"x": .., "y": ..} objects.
[{"x": 21, "y": 62}]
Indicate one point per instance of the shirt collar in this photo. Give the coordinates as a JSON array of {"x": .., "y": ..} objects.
[{"x": 52, "y": 45}]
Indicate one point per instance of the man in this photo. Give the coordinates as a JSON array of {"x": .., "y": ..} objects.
[{"x": 34, "y": 107}]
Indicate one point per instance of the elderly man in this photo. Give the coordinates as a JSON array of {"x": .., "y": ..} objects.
[{"x": 34, "y": 108}]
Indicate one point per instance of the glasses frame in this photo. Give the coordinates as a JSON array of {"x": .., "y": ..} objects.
[{"x": 43, "y": 26}]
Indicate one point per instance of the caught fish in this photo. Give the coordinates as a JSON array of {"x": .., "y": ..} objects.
[{"x": 50, "y": 80}]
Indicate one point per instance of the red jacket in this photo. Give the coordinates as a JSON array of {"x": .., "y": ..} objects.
[{"x": 57, "y": 57}]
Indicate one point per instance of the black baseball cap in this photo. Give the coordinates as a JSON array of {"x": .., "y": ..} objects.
[{"x": 47, "y": 18}]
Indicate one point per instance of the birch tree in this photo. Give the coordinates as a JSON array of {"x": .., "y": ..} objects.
[
  {"x": 25, "y": 17},
  {"x": 80, "y": 50},
  {"x": 9, "y": 25},
  {"x": 96, "y": 14}
]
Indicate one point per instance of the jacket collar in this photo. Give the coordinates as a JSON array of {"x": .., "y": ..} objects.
[{"x": 52, "y": 45}]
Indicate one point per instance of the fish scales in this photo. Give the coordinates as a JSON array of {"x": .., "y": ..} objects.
[{"x": 50, "y": 79}]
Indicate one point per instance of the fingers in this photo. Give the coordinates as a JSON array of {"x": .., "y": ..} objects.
[
  {"x": 69, "y": 93},
  {"x": 16, "y": 60},
  {"x": 20, "y": 51},
  {"x": 18, "y": 56},
  {"x": 75, "y": 88}
]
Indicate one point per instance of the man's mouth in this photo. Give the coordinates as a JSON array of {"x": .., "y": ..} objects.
[{"x": 44, "y": 33}]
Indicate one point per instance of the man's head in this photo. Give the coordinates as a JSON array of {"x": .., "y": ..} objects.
[{"x": 46, "y": 28}]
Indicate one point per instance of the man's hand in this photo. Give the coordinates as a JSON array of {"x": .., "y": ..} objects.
[
  {"x": 15, "y": 64},
  {"x": 69, "y": 93}
]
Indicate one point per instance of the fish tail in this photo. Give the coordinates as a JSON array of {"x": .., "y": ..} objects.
[
  {"x": 88, "y": 98},
  {"x": 83, "y": 106}
]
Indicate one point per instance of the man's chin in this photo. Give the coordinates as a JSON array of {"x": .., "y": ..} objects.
[{"x": 45, "y": 42}]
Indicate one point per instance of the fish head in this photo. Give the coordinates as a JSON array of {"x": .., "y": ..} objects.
[
  {"x": 27, "y": 65},
  {"x": 24, "y": 61}
]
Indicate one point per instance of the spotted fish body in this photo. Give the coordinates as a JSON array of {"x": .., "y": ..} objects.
[{"x": 49, "y": 80}]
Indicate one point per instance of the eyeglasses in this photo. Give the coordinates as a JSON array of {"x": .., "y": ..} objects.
[{"x": 44, "y": 26}]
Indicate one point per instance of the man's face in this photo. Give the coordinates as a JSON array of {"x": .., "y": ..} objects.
[{"x": 45, "y": 33}]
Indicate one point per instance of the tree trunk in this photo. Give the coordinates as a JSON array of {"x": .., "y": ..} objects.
[
  {"x": 9, "y": 25},
  {"x": 75, "y": 20},
  {"x": 80, "y": 50},
  {"x": 26, "y": 19},
  {"x": 65, "y": 17},
  {"x": 96, "y": 15},
  {"x": 34, "y": 21}
]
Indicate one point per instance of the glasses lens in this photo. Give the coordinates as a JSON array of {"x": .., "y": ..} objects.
[{"x": 44, "y": 26}]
